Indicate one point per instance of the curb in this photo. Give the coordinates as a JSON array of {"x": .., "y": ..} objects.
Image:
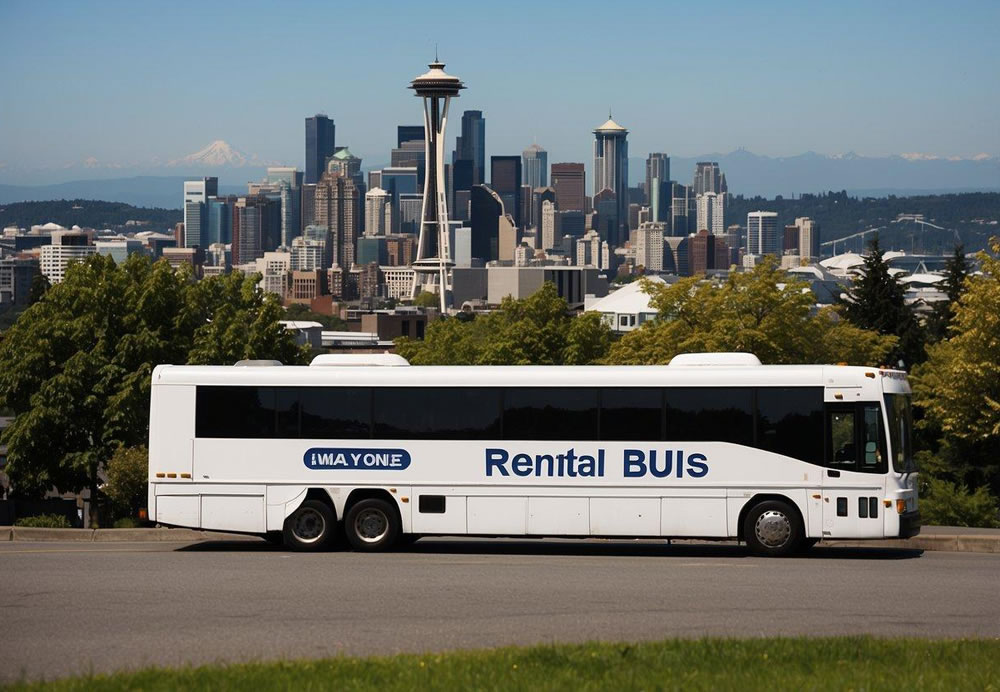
[
  {"x": 940, "y": 542},
  {"x": 23, "y": 533}
]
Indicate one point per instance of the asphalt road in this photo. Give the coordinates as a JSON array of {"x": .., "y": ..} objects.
[{"x": 70, "y": 608}]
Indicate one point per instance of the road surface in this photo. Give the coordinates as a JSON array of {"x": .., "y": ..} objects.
[{"x": 69, "y": 608}]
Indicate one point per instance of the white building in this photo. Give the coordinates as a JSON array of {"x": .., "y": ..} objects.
[
  {"x": 378, "y": 213},
  {"x": 588, "y": 250},
  {"x": 398, "y": 281},
  {"x": 625, "y": 309},
  {"x": 66, "y": 247},
  {"x": 274, "y": 268},
  {"x": 548, "y": 225},
  {"x": 711, "y": 210},
  {"x": 196, "y": 194},
  {"x": 762, "y": 235},
  {"x": 307, "y": 254},
  {"x": 808, "y": 238},
  {"x": 649, "y": 246}
]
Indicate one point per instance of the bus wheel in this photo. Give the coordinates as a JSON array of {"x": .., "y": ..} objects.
[
  {"x": 372, "y": 525},
  {"x": 310, "y": 527},
  {"x": 772, "y": 529}
]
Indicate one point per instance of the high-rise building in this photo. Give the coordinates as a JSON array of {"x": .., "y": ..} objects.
[
  {"x": 658, "y": 187},
  {"x": 711, "y": 212},
  {"x": 808, "y": 238},
  {"x": 339, "y": 208},
  {"x": 649, "y": 246},
  {"x": 486, "y": 211},
  {"x": 706, "y": 251},
  {"x": 346, "y": 163},
  {"x": 377, "y": 213},
  {"x": 611, "y": 172},
  {"x": 196, "y": 195},
  {"x": 471, "y": 146},
  {"x": 308, "y": 254},
  {"x": 535, "y": 166},
  {"x": 762, "y": 233},
  {"x": 220, "y": 221},
  {"x": 538, "y": 196},
  {"x": 289, "y": 180},
  {"x": 569, "y": 182},
  {"x": 708, "y": 178},
  {"x": 548, "y": 224},
  {"x": 65, "y": 247},
  {"x": 505, "y": 180},
  {"x": 256, "y": 227},
  {"x": 320, "y": 145},
  {"x": 409, "y": 133},
  {"x": 409, "y": 155},
  {"x": 683, "y": 211},
  {"x": 434, "y": 260}
]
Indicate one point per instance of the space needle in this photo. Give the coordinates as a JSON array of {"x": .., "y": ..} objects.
[{"x": 433, "y": 260}]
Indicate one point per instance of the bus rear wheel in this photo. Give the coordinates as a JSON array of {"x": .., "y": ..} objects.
[
  {"x": 310, "y": 527},
  {"x": 372, "y": 525},
  {"x": 772, "y": 529}
]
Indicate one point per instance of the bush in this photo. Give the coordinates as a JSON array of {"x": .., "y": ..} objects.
[
  {"x": 943, "y": 503},
  {"x": 127, "y": 523},
  {"x": 128, "y": 474},
  {"x": 45, "y": 521}
]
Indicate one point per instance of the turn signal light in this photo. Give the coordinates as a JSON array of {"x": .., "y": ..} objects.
[{"x": 900, "y": 506}]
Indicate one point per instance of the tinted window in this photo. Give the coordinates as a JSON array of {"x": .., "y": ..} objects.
[
  {"x": 445, "y": 413},
  {"x": 790, "y": 422},
  {"x": 719, "y": 414},
  {"x": 632, "y": 413},
  {"x": 843, "y": 450},
  {"x": 335, "y": 413},
  {"x": 550, "y": 413},
  {"x": 286, "y": 404},
  {"x": 235, "y": 412},
  {"x": 872, "y": 440}
]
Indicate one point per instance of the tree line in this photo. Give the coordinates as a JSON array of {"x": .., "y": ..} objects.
[{"x": 86, "y": 213}]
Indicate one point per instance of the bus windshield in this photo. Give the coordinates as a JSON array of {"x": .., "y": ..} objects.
[{"x": 897, "y": 407}]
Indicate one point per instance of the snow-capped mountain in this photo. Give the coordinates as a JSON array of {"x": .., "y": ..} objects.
[{"x": 218, "y": 153}]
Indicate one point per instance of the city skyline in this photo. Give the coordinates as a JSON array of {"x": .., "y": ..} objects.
[{"x": 820, "y": 93}]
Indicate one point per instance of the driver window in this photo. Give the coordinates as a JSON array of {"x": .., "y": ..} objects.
[
  {"x": 843, "y": 454},
  {"x": 872, "y": 459}
]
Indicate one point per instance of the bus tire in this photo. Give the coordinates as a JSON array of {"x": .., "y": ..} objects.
[
  {"x": 772, "y": 529},
  {"x": 310, "y": 527},
  {"x": 372, "y": 525}
]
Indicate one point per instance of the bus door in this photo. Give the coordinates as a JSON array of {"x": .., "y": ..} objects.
[{"x": 854, "y": 478}]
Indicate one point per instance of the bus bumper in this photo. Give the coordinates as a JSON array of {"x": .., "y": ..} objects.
[{"x": 909, "y": 524}]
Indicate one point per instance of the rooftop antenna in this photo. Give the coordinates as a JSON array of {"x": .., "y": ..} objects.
[{"x": 436, "y": 52}]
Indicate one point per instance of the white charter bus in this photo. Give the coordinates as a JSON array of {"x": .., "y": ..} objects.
[{"x": 712, "y": 446}]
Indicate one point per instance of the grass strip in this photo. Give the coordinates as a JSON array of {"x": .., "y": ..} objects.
[{"x": 838, "y": 663}]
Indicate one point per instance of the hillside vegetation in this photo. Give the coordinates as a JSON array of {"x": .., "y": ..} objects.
[{"x": 87, "y": 213}]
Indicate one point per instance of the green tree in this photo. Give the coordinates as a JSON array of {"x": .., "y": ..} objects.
[
  {"x": 764, "y": 311},
  {"x": 426, "y": 299},
  {"x": 956, "y": 271},
  {"x": 537, "y": 330},
  {"x": 298, "y": 311},
  {"x": 39, "y": 285},
  {"x": 958, "y": 387},
  {"x": 127, "y": 475},
  {"x": 875, "y": 301},
  {"x": 75, "y": 369}
]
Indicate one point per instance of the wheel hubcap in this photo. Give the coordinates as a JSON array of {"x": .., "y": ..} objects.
[
  {"x": 773, "y": 529},
  {"x": 309, "y": 526},
  {"x": 371, "y": 525}
]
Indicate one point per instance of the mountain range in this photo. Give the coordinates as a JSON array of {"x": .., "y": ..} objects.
[{"x": 158, "y": 183}]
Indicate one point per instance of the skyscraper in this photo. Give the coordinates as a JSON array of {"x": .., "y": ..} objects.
[
  {"x": 569, "y": 181},
  {"x": 611, "y": 172},
  {"x": 762, "y": 234},
  {"x": 505, "y": 180},
  {"x": 436, "y": 88},
  {"x": 471, "y": 145},
  {"x": 320, "y": 145},
  {"x": 682, "y": 218},
  {"x": 377, "y": 212},
  {"x": 535, "y": 166},
  {"x": 711, "y": 212},
  {"x": 409, "y": 133},
  {"x": 658, "y": 187},
  {"x": 256, "y": 227},
  {"x": 808, "y": 238},
  {"x": 339, "y": 209},
  {"x": 486, "y": 211},
  {"x": 196, "y": 195},
  {"x": 708, "y": 178},
  {"x": 290, "y": 181}
]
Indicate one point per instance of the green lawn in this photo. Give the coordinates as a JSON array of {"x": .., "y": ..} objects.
[{"x": 843, "y": 663}]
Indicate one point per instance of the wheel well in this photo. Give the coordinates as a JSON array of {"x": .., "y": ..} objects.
[
  {"x": 322, "y": 496},
  {"x": 360, "y": 494},
  {"x": 764, "y": 497}
]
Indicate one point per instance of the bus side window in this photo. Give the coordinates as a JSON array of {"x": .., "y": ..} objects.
[{"x": 842, "y": 453}]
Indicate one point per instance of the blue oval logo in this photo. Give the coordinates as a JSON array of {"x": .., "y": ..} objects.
[{"x": 356, "y": 459}]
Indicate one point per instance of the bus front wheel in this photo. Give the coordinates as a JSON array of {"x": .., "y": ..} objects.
[
  {"x": 772, "y": 529},
  {"x": 372, "y": 525},
  {"x": 310, "y": 527}
]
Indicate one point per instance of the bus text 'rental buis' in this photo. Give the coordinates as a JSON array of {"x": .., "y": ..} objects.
[{"x": 636, "y": 463}]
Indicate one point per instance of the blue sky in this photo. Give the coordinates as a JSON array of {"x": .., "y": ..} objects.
[{"x": 127, "y": 81}]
